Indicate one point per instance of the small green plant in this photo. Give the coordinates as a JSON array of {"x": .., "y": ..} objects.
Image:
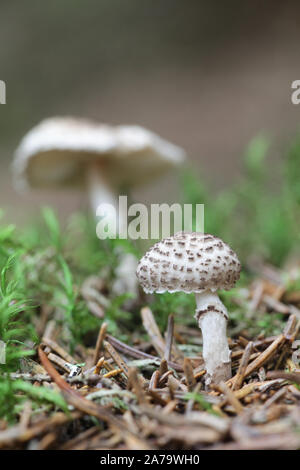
[
  {"x": 116, "y": 315},
  {"x": 17, "y": 334},
  {"x": 201, "y": 400},
  {"x": 14, "y": 310},
  {"x": 75, "y": 317},
  {"x": 179, "y": 303}
]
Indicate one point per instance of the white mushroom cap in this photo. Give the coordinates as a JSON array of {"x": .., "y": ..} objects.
[
  {"x": 188, "y": 262},
  {"x": 56, "y": 151}
]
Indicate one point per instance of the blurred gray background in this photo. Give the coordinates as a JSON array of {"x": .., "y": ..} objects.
[{"x": 207, "y": 75}]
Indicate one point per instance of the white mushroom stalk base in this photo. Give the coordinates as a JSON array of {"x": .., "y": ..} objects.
[
  {"x": 104, "y": 202},
  {"x": 212, "y": 318},
  {"x": 103, "y": 198}
]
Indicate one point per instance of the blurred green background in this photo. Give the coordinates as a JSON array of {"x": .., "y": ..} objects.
[{"x": 206, "y": 75}]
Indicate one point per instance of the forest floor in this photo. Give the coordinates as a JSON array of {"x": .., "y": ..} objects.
[{"x": 148, "y": 391}]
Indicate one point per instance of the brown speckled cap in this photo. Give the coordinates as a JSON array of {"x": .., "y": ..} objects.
[{"x": 188, "y": 262}]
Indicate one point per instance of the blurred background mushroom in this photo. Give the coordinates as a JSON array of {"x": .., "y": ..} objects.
[
  {"x": 65, "y": 152},
  {"x": 107, "y": 160}
]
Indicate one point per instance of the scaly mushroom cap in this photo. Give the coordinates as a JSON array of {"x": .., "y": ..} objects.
[
  {"x": 57, "y": 151},
  {"x": 188, "y": 262}
]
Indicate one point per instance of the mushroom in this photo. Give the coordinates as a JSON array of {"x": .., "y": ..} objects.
[
  {"x": 65, "y": 151},
  {"x": 197, "y": 263}
]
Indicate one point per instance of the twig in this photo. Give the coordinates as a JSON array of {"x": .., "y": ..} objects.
[
  {"x": 95, "y": 309},
  {"x": 171, "y": 406},
  {"x": 280, "y": 374},
  {"x": 256, "y": 296},
  {"x": 91, "y": 291},
  {"x": 99, "y": 365},
  {"x": 163, "y": 367},
  {"x": 189, "y": 374},
  {"x": 154, "y": 380},
  {"x": 58, "y": 349},
  {"x": 157, "y": 397},
  {"x": 47, "y": 441},
  {"x": 246, "y": 390},
  {"x": 242, "y": 367},
  {"x": 279, "y": 394},
  {"x": 112, "y": 373},
  {"x": 169, "y": 337},
  {"x": 231, "y": 397},
  {"x": 29, "y": 377},
  {"x": 133, "y": 352},
  {"x": 59, "y": 362},
  {"x": 275, "y": 305},
  {"x": 17, "y": 433},
  {"x": 262, "y": 358},
  {"x": 192, "y": 419},
  {"x": 116, "y": 357},
  {"x": 101, "y": 336},
  {"x": 199, "y": 374},
  {"x": 152, "y": 329},
  {"x": 267, "y": 271},
  {"x": 109, "y": 393},
  {"x": 176, "y": 384},
  {"x": 49, "y": 330},
  {"x": 291, "y": 328},
  {"x": 134, "y": 383},
  {"x": 25, "y": 415},
  {"x": 164, "y": 378}
]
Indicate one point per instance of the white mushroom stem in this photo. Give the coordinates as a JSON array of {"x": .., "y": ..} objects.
[
  {"x": 101, "y": 192},
  {"x": 103, "y": 196},
  {"x": 126, "y": 281},
  {"x": 212, "y": 318}
]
